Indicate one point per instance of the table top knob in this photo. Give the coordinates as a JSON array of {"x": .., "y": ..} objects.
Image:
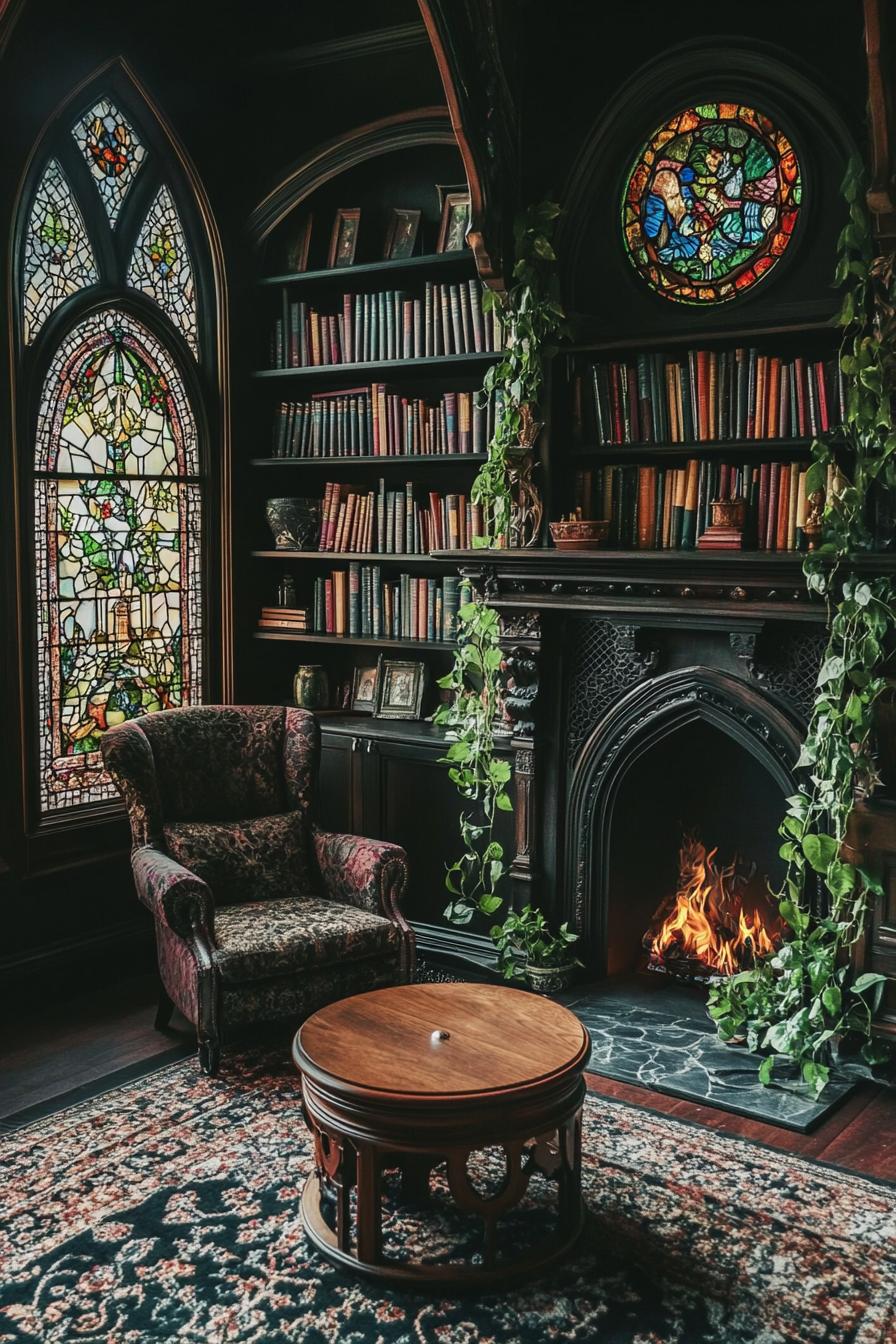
[{"x": 439, "y": 1035}]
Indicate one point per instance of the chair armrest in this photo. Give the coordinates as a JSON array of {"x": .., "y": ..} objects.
[
  {"x": 174, "y": 895},
  {"x": 370, "y": 874}
]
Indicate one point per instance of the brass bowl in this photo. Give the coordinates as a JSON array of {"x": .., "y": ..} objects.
[{"x": 580, "y": 534}]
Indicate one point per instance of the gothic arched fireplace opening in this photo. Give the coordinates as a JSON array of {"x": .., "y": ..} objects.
[{"x": 675, "y": 800}]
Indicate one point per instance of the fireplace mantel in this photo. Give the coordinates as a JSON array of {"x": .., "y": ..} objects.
[{"x": 690, "y": 587}]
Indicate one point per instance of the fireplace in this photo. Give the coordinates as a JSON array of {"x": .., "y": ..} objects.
[
  {"x": 692, "y": 846},
  {"x": 674, "y": 802}
]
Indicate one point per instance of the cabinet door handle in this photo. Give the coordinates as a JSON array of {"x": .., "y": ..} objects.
[
  {"x": 356, "y": 743},
  {"x": 370, "y": 745}
]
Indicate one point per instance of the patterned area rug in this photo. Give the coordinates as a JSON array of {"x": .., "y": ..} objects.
[{"x": 168, "y": 1210}]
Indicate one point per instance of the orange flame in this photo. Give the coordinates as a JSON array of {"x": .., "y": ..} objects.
[{"x": 707, "y": 923}]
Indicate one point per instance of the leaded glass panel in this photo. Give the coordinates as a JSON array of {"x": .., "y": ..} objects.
[
  {"x": 113, "y": 153},
  {"x": 160, "y": 265},
  {"x": 711, "y": 203},
  {"x": 118, "y": 532},
  {"x": 58, "y": 257}
]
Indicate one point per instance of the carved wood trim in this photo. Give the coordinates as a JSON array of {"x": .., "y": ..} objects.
[
  {"x": 404, "y": 130},
  {"x": 880, "y": 194}
]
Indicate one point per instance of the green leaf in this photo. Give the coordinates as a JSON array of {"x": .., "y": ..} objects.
[
  {"x": 832, "y": 999},
  {"x": 766, "y": 1069},
  {"x": 868, "y": 981},
  {"x": 820, "y": 850}
]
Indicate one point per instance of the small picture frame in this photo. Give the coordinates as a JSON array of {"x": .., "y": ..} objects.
[
  {"x": 455, "y": 222},
  {"x": 401, "y": 234},
  {"x": 344, "y": 239},
  {"x": 400, "y": 690},
  {"x": 365, "y": 683},
  {"x": 297, "y": 252}
]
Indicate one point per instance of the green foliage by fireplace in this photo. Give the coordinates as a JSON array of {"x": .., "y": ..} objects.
[{"x": 804, "y": 1004}]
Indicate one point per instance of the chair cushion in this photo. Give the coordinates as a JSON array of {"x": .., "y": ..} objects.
[
  {"x": 262, "y": 859},
  {"x": 261, "y": 939}
]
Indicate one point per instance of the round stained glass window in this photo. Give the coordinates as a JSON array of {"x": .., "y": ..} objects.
[{"x": 711, "y": 203}]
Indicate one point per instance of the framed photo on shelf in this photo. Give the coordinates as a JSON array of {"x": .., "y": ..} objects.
[
  {"x": 455, "y": 222},
  {"x": 297, "y": 252},
  {"x": 364, "y": 688},
  {"x": 400, "y": 690},
  {"x": 344, "y": 239},
  {"x": 401, "y": 234}
]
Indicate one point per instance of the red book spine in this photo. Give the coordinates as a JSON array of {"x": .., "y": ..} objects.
[
  {"x": 723, "y": 480},
  {"x": 802, "y": 420},
  {"x": 774, "y": 392},
  {"x": 702, "y": 394},
  {"x": 347, "y": 328},
  {"x": 328, "y": 607},
  {"x": 771, "y": 525},
  {"x": 783, "y": 519},
  {"x": 616, "y": 404},
  {"x": 824, "y": 422},
  {"x": 762, "y": 508},
  {"x": 435, "y": 510}
]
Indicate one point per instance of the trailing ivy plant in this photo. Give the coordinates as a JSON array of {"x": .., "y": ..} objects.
[
  {"x": 802, "y": 1004},
  {"x": 481, "y": 777},
  {"x": 531, "y": 319}
]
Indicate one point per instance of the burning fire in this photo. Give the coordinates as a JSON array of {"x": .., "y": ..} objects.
[{"x": 704, "y": 928}]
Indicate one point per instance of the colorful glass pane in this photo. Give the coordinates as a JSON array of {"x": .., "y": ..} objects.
[
  {"x": 118, "y": 525},
  {"x": 711, "y": 203},
  {"x": 58, "y": 257},
  {"x": 112, "y": 151},
  {"x": 160, "y": 265}
]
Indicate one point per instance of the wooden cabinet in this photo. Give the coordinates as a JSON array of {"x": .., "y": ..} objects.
[{"x": 385, "y": 780}]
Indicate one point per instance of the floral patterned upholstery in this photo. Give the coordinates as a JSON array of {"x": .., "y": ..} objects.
[
  {"x": 258, "y": 912},
  {"x": 258, "y": 860},
  {"x": 265, "y": 938}
]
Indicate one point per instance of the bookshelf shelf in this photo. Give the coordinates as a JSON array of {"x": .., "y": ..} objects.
[
  {"x": 369, "y": 460},
  {"x": 735, "y": 336},
  {"x": 431, "y": 364},
  {"x": 737, "y": 448},
  {"x": 358, "y": 641},
  {"x": 439, "y": 561},
  {"x": 440, "y": 262}
]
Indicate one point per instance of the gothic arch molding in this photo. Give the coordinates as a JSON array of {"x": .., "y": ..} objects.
[{"x": 643, "y": 717}]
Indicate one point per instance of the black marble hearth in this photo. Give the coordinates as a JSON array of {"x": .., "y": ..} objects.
[{"x": 647, "y": 1030}]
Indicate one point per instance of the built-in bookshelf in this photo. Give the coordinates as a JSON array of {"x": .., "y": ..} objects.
[
  {"x": 368, "y": 378},
  {"x": 657, "y": 431}
]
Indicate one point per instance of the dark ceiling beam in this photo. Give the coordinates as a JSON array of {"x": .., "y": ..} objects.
[
  {"x": 881, "y": 196},
  {"x": 356, "y": 46}
]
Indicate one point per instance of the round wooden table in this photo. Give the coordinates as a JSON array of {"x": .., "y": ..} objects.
[{"x": 407, "y": 1078}]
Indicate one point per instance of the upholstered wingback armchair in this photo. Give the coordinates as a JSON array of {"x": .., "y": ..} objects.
[{"x": 259, "y": 914}]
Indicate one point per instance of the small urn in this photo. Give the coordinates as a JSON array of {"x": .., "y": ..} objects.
[
  {"x": 295, "y": 523},
  {"x": 729, "y": 513},
  {"x": 311, "y": 687}
]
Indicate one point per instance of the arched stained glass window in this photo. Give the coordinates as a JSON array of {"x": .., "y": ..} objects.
[
  {"x": 58, "y": 257},
  {"x": 112, "y": 152},
  {"x": 117, "y": 510},
  {"x": 160, "y": 265},
  {"x": 711, "y": 203},
  {"x": 116, "y": 461}
]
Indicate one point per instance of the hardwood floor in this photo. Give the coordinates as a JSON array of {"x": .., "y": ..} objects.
[{"x": 71, "y": 1047}]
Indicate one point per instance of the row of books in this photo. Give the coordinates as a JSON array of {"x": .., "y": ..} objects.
[
  {"x": 392, "y": 522},
  {"x": 360, "y": 602},
  {"x": 707, "y": 395},
  {"x": 376, "y": 422},
  {"x": 657, "y": 508},
  {"x": 448, "y": 320}
]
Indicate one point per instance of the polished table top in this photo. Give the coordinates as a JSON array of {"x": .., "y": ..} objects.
[{"x": 433, "y": 1041}]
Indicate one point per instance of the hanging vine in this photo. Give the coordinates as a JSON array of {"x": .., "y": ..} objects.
[
  {"x": 531, "y": 319},
  {"x": 803, "y": 1004}
]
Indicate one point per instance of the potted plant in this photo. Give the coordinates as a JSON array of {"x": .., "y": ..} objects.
[{"x": 548, "y": 961}]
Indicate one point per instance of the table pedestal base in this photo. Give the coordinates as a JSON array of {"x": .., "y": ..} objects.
[{"x": 352, "y": 1234}]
